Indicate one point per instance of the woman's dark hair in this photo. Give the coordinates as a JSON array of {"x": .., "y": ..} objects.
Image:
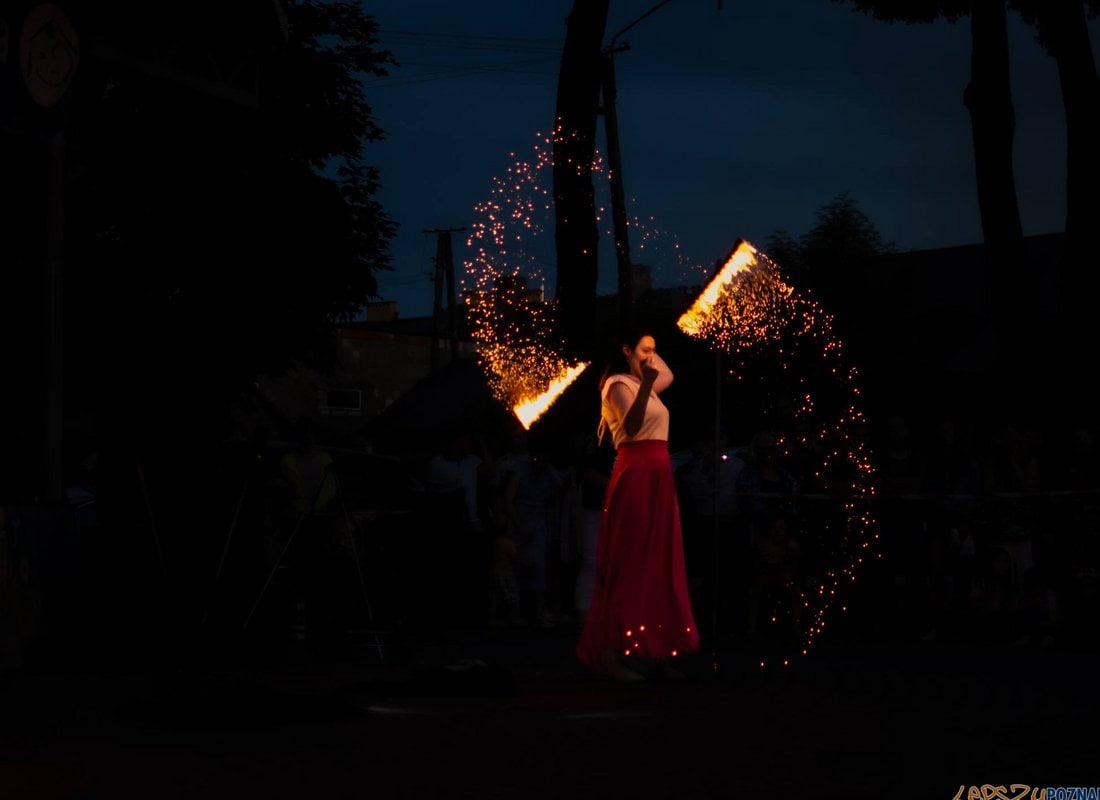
[{"x": 616, "y": 360}]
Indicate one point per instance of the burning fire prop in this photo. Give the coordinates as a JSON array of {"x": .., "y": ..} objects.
[
  {"x": 527, "y": 411},
  {"x": 749, "y": 312},
  {"x": 517, "y": 345}
]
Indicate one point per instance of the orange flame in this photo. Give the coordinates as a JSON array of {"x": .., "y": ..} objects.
[
  {"x": 742, "y": 259},
  {"x": 527, "y": 411}
]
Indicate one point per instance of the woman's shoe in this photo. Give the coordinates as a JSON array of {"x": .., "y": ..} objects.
[
  {"x": 663, "y": 670},
  {"x": 613, "y": 668}
]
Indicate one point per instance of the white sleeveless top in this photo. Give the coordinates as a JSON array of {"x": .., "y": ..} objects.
[{"x": 655, "y": 424}]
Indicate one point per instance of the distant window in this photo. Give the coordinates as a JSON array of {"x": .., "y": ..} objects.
[{"x": 341, "y": 401}]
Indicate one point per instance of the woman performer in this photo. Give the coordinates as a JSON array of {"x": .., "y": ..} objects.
[{"x": 640, "y": 605}]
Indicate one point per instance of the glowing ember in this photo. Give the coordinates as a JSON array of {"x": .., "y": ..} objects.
[{"x": 528, "y": 411}]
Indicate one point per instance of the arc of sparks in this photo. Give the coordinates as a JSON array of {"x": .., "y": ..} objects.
[
  {"x": 747, "y": 303},
  {"x": 515, "y": 330},
  {"x": 530, "y": 409},
  {"x": 741, "y": 259}
]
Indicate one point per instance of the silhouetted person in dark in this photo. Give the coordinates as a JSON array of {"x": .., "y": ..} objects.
[
  {"x": 796, "y": 438},
  {"x": 320, "y": 551},
  {"x": 459, "y": 474},
  {"x": 775, "y": 565},
  {"x": 593, "y": 470},
  {"x": 764, "y": 486},
  {"x": 950, "y": 482},
  {"x": 1011, "y": 503},
  {"x": 995, "y": 597},
  {"x": 531, "y": 494},
  {"x": 901, "y": 523},
  {"x": 1078, "y": 468},
  {"x": 21, "y": 611}
]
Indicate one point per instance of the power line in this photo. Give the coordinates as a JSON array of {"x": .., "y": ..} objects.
[
  {"x": 470, "y": 74},
  {"x": 462, "y": 44},
  {"x": 639, "y": 19},
  {"x": 473, "y": 37},
  {"x": 458, "y": 72}
]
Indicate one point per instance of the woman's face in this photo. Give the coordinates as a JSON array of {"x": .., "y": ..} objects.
[{"x": 645, "y": 348}]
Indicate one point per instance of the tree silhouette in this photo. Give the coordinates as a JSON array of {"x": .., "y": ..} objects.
[
  {"x": 988, "y": 97},
  {"x": 831, "y": 259},
  {"x": 576, "y": 234},
  {"x": 207, "y": 239},
  {"x": 210, "y": 241},
  {"x": 1063, "y": 30}
]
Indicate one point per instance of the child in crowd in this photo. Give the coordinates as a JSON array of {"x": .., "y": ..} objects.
[{"x": 503, "y": 589}]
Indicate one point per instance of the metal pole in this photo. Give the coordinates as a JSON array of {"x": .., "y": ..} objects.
[
  {"x": 275, "y": 568},
  {"x": 452, "y": 312},
  {"x": 437, "y": 304},
  {"x": 350, "y": 526},
  {"x": 444, "y": 271},
  {"x": 716, "y": 593},
  {"x": 229, "y": 537},
  {"x": 52, "y": 483},
  {"x": 289, "y": 540}
]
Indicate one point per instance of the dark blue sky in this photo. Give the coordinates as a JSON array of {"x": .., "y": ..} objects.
[{"x": 733, "y": 123}]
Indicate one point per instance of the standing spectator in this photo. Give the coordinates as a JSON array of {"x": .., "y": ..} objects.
[
  {"x": 950, "y": 482},
  {"x": 21, "y": 611},
  {"x": 902, "y": 524},
  {"x": 796, "y": 438},
  {"x": 775, "y": 563},
  {"x": 530, "y": 498},
  {"x": 1012, "y": 511},
  {"x": 457, "y": 468},
  {"x": 503, "y": 589},
  {"x": 458, "y": 472},
  {"x": 593, "y": 472},
  {"x": 318, "y": 553},
  {"x": 1079, "y": 469},
  {"x": 716, "y": 545},
  {"x": 764, "y": 487},
  {"x": 995, "y": 597}
]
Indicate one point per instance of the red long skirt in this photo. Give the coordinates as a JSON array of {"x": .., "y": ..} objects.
[{"x": 640, "y": 604}]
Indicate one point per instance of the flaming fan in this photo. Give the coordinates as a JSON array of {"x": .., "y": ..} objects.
[
  {"x": 745, "y": 302},
  {"x": 749, "y": 312},
  {"x": 516, "y": 343}
]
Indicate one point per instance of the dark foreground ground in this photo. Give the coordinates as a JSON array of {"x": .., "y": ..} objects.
[{"x": 484, "y": 714}]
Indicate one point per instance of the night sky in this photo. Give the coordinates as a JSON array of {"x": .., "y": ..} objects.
[{"x": 734, "y": 123}]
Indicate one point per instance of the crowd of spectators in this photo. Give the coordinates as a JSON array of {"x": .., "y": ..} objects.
[{"x": 983, "y": 533}]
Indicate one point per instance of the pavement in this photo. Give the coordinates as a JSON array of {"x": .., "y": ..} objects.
[{"x": 471, "y": 713}]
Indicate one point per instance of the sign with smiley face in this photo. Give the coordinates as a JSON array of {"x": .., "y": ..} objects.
[{"x": 49, "y": 53}]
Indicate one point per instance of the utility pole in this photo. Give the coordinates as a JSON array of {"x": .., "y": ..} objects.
[
  {"x": 444, "y": 271},
  {"x": 615, "y": 165},
  {"x": 618, "y": 193}
]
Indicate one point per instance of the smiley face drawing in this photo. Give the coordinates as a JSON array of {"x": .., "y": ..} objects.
[{"x": 49, "y": 54}]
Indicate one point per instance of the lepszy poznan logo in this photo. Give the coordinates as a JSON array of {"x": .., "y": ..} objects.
[{"x": 1021, "y": 791}]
